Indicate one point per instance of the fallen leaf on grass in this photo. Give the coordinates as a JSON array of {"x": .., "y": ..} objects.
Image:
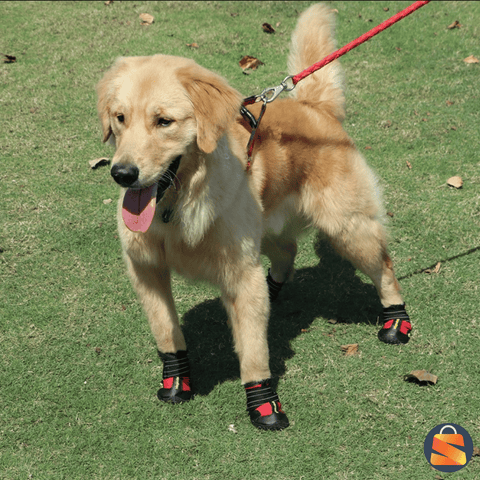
[
  {"x": 455, "y": 24},
  {"x": 107, "y": 201},
  {"x": 98, "y": 162},
  {"x": 471, "y": 59},
  {"x": 192, "y": 45},
  {"x": 368, "y": 148},
  {"x": 409, "y": 165},
  {"x": 248, "y": 62},
  {"x": 146, "y": 19},
  {"x": 350, "y": 349},
  {"x": 8, "y": 58},
  {"x": 231, "y": 428},
  {"x": 456, "y": 182},
  {"x": 267, "y": 28},
  {"x": 476, "y": 452},
  {"x": 108, "y": 2},
  {"x": 421, "y": 377},
  {"x": 433, "y": 270}
]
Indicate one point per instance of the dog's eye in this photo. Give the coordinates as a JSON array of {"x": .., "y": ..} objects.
[
  {"x": 120, "y": 118},
  {"x": 164, "y": 122}
]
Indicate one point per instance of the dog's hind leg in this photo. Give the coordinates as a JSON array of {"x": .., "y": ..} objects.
[
  {"x": 153, "y": 287},
  {"x": 246, "y": 301},
  {"x": 362, "y": 240}
]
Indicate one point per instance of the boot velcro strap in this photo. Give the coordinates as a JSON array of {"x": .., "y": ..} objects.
[
  {"x": 395, "y": 312},
  {"x": 258, "y": 394},
  {"x": 273, "y": 287},
  {"x": 175, "y": 365}
]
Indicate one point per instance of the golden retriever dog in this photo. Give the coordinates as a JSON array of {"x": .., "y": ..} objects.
[{"x": 190, "y": 204}]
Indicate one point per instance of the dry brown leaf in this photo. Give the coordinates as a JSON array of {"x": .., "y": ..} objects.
[
  {"x": 146, "y": 19},
  {"x": 368, "y": 148},
  {"x": 421, "y": 377},
  {"x": 267, "y": 28},
  {"x": 192, "y": 45},
  {"x": 390, "y": 214},
  {"x": 455, "y": 24},
  {"x": 108, "y": 2},
  {"x": 449, "y": 103},
  {"x": 476, "y": 452},
  {"x": 409, "y": 165},
  {"x": 386, "y": 9},
  {"x": 107, "y": 201},
  {"x": 471, "y": 59},
  {"x": 250, "y": 62},
  {"x": 436, "y": 269},
  {"x": 98, "y": 162},
  {"x": 456, "y": 182},
  {"x": 350, "y": 349},
  {"x": 8, "y": 58}
]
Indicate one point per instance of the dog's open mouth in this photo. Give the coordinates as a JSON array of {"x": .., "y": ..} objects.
[{"x": 139, "y": 204}]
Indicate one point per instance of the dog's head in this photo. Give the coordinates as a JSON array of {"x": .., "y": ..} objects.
[{"x": 158, "y": 109}]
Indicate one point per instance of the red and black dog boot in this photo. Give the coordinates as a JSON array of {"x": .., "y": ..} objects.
[
  {"x": 396, "y": 325},
  {"x": 176, "y": 378},
  {"x": 273, "y": 287},
  {"x": 264, "y": 407}
]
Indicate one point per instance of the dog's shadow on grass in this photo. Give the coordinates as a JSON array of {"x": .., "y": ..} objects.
[{"x": 330, "y": 290}]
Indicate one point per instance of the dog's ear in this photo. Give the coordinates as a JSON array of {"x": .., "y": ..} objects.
[
  {"x": 104, "y": 94},
  {"x": 215, "y": 103}
]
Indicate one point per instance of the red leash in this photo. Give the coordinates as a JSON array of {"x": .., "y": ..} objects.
[
  {"x": 270, "y": 94},
  {"x": 355, "y": 43}
]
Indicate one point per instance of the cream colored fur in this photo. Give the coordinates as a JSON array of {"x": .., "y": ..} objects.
[{"x": 306, "y": 172}]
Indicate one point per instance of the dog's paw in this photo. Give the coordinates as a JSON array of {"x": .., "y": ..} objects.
[
  {"x": 175, "y": 390},
  {"x": 276, "y": 420},
  {"x": 176, "y": 378},
  {"x": 264, "y": 407},
  {"x": 396, "y": 326}
]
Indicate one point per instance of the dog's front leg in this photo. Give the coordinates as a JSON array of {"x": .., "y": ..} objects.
[
  {"x": 248, "y": 307},
  {"x": 153, "y": 286}
]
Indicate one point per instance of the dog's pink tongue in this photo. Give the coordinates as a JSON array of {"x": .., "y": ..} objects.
[{"x": 139, "y": 208}]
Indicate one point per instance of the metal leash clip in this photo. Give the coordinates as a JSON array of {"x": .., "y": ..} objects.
[
  {"x": 267, "y": 96},
  {"x": 270, "y": 94}
]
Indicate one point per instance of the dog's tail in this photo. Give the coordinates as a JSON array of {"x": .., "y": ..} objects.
[{"x": 312, "y": 40}]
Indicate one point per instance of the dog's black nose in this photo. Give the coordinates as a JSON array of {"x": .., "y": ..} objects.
[{"x": 125, "y": 175}]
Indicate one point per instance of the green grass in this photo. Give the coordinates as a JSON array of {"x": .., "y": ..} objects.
[{"x": 79, "y": 367}]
